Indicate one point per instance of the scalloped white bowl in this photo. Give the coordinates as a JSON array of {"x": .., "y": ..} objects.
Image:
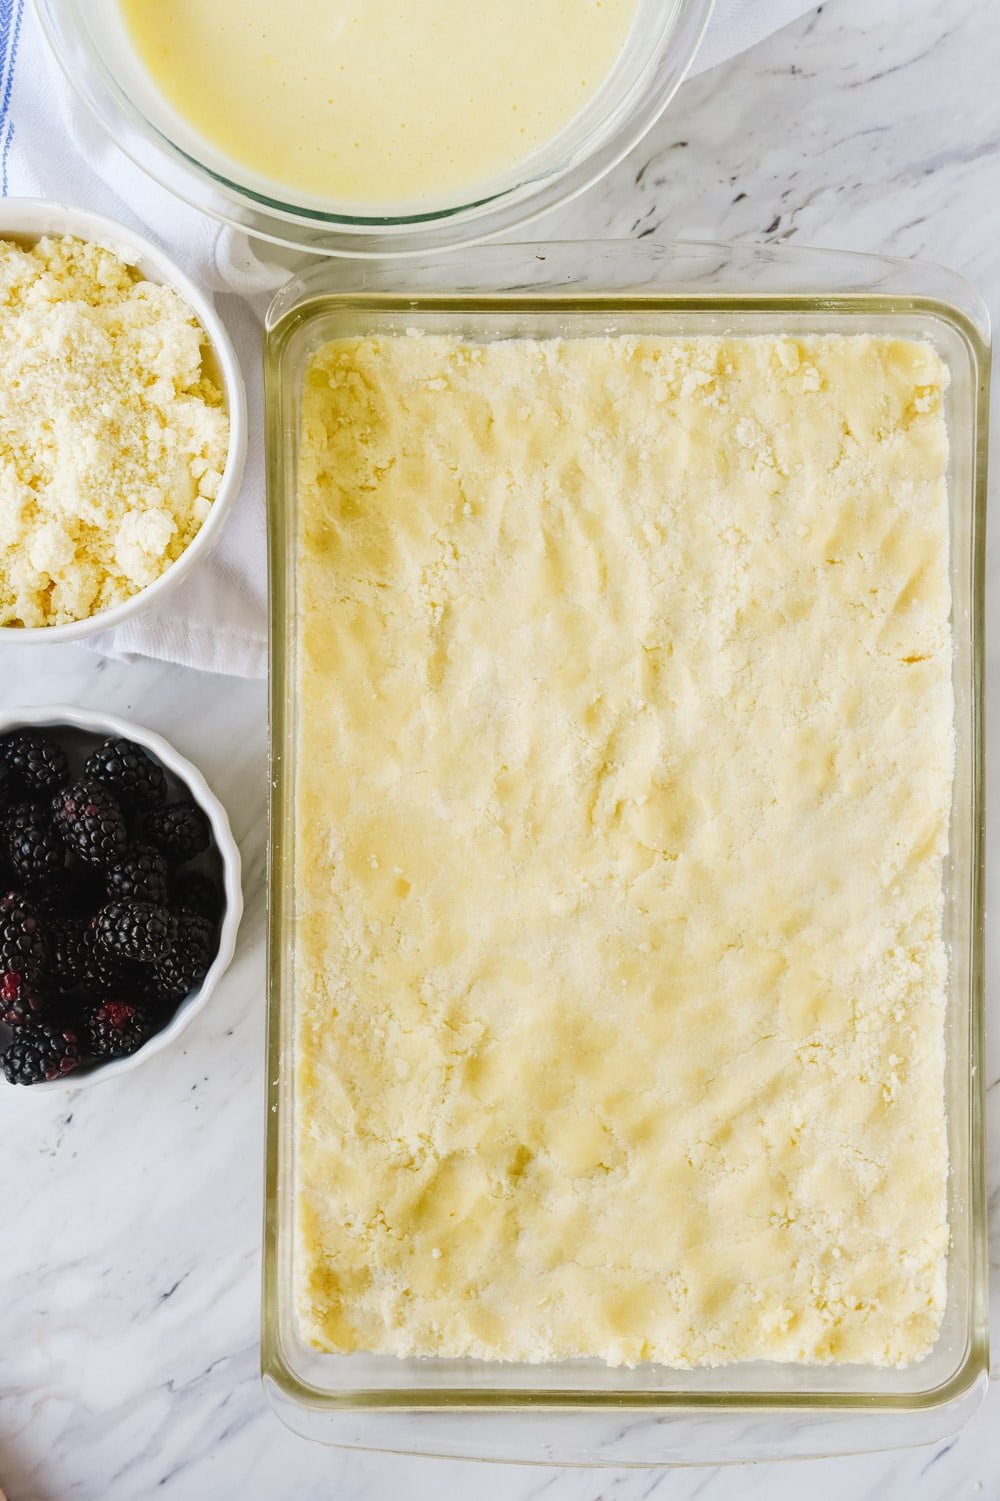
[
  {"x": 180, "y": 771},
  {"x": 27, "y": 219}
]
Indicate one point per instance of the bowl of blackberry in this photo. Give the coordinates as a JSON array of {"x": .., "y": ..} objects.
[{"x": 120, "y": 895}]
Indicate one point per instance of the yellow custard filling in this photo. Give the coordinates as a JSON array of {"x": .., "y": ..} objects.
[
  {"x": 378, "y": 102},
  {"x": 624, "y": 749}
]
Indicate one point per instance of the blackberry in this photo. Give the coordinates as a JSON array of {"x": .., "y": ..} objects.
[
  {"x": 199, "y": 894},
  {"x": 68, "y": 952},
  {"x": 37, "y": 761},
  {"x": 180, "y": 830},
  {"x": 130, "y": 772},
  {"x": 77, "y": 892},
  {"x": 136, "y": 983},
  {"x": 175, "y": 975},
  {"x": 78, "y": 961},
  {"x": 90, "y": 820},
  {"x": 101, "y": 972},
  {"x": 35, "y": 849},
  {"x": 22, "y": 938},
  {"x": 8, "y": 785},
  {"x": 113, "y": 1029},
  {"x": 140, "y": 876},
  {"x": 19, "y": 1002},
  {"x": 41, "y": 1050},
  {"x": 136, "y": 930}
]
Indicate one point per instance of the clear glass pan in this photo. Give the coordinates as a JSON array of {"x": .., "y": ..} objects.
[
  {"x": 583, "y": 1412},
  {"x": 91, "y": 42}
]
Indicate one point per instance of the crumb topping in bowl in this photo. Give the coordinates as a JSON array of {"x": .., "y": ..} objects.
[{"x": 113, "y": 433}]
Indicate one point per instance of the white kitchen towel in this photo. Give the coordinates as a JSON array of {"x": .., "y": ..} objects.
[{"x": 51, "y": 147}]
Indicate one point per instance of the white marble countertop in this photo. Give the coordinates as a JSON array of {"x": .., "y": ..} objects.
[{"x": 130, "y": 1216}]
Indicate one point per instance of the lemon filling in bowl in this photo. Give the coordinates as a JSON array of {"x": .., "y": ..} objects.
[{"x": 369, "y": 103}]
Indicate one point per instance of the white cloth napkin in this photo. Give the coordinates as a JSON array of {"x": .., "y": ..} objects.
[{"x": 51, "y": 147}]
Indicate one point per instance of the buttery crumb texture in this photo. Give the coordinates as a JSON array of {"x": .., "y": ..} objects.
[
  {"x": 113, "y": 439},
  {"x": 625, "y": 747}
]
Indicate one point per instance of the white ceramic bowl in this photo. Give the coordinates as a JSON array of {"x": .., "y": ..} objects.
[
  {"x": 183, "y": 779},
  {"x": 26, "y": 220}
]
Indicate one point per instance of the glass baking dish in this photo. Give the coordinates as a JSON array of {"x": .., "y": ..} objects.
[
  {"x": 92, "y": 44},
  {"x": 584, "y": 1412}
]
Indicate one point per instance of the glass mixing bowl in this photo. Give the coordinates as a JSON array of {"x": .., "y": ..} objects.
[{"x": 91, "y": 41}]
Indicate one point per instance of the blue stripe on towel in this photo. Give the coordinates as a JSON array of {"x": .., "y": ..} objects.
[{"x": 11, "y": 12}]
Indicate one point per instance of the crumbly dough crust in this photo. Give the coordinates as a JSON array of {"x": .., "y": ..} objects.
[
  {"x": 625, "y": 746},
  {"x": 113, "y": 439}
]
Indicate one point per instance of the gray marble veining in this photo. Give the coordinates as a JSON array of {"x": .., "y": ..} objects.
[{"x": 130, "y": 1221}]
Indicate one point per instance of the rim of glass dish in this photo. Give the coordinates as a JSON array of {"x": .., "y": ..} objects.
[
  {"x": 324, "y": 232},
  {"x": 885, "y": 283}
]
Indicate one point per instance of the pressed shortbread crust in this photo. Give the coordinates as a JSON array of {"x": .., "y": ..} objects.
[{"x": 624, "y": 761}]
